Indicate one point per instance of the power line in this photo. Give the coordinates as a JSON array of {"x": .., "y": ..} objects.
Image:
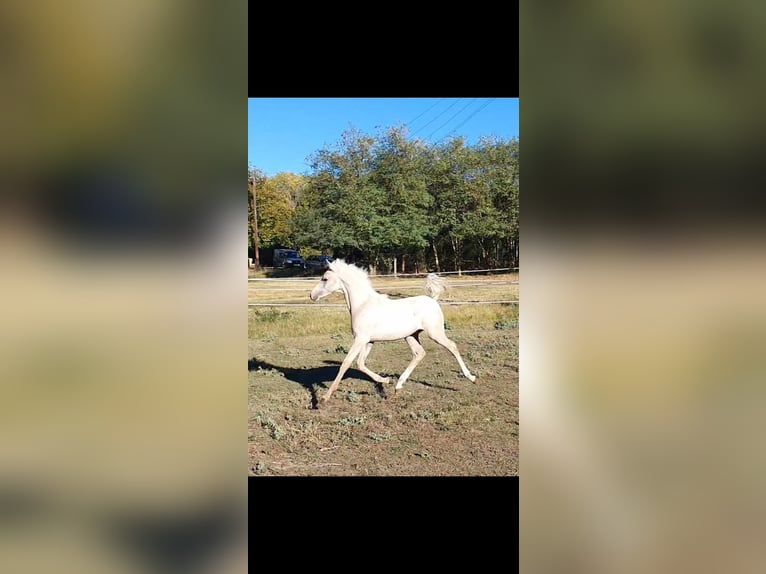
[
  {"x": 438, "y": 116},
  {"x": 467, "y": 119},
  {"x": 473, "y": 114},
  {"x": 452, "y": 118},
  {"x": 428, "y": 110}
]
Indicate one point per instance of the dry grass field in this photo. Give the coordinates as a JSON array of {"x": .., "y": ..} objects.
[{"x": 439, "y": 424}]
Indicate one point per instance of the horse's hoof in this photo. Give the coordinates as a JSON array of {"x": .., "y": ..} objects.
[{"x": 476, "y": 381}]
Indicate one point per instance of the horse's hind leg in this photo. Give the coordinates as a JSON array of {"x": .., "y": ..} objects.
[
  {"x": 438, "y": 335},
  {"x": 356, "y": 348},
  {"x": 418, "y": 352},
  {"x": 362, "y": 367}
]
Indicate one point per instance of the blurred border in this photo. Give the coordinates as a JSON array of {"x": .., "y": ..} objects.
[
  {"x": 642, "y": 322},
  {"x": 123, "y": 242}
]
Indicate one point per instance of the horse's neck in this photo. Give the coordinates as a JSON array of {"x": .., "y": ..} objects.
[
  {"x": 345, "y": 295},
  {"x": 357, "y": 296}
]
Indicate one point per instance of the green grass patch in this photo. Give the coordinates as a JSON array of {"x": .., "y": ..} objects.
[
  {"x": 351, "y": 421},
  {"x": 379, "y": 437},
  {"x": 273, "y": 315},
  {"x": 275, "y": 431}
]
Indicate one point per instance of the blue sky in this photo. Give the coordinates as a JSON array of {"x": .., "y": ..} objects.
[{"x": 283, "y": 132}]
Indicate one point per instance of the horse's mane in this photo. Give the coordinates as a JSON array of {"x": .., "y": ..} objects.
[{"x": 351, "y": 273}]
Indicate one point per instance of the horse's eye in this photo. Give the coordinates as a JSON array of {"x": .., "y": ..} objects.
[{"x": 324, "y": 279}]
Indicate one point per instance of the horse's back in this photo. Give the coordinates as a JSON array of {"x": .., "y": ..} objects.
[
  {"x": 390, "y": 319},
  {"x": 422, "y": 303},
  {"x": 426, "y": 309},
  {"x": 419, "y": 306}
]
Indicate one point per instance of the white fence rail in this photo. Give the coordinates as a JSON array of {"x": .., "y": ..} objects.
[
  {"x": 392, "y": 287},
  {"x": 452, "y": 285},
  {"x": 319, "y": 305},
  {"x": 423, "y": 274}
]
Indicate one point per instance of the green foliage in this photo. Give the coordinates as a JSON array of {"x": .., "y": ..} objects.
[
  {"x": 388, "y": 196},
  {"x": 272, "y": 315},
  {"x": 377, "y": 437},
  {"x": 277, "y": 198},
  {"x": 351, "y": 421},
  {"x": 275, "y": 431},
  {"x": 256, "y": 179},
  {"x": 342, "y": 349}
]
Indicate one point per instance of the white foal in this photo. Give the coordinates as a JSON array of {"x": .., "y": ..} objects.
[{"x": 375, "y": 317}]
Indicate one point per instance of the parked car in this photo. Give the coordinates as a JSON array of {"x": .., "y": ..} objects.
[
  {"x": 318, "y": 262},
  {"x": 288, "y": 258}
]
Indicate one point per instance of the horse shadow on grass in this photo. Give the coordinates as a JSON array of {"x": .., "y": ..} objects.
[
  {"x": 432, "y": 385},
  {"x": 311, "y": 378}
]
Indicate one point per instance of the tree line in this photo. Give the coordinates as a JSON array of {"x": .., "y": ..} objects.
[{"x": 390, "y": 202}]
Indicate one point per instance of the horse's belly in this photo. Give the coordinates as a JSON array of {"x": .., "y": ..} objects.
[{"x": 389, "y": 328}]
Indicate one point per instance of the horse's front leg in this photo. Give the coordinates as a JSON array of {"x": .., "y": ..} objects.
[
  {"x": 359, "y": 344},
  {"x": 362, "y": 367}
]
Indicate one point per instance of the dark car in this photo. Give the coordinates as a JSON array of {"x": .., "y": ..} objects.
[
  {"x": 288, "y": 258},
  {"x": 318, "y": 262}
]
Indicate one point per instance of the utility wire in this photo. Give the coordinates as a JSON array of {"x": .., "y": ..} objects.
[
  {"x": 428, "y": 110},
  {"x": 439, "y": 115},
  {"x": 452, "y": 118},
  {"x": 461, "y": 124},
  {"x": 473, "y": 114}
]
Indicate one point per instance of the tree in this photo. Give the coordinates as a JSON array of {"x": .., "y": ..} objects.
[
  {"x": 449, "y": 165},
  {"x": 502, "y": 184},
  {"x": 277, "y": 199},
  {"x": 399, "y": 176},
  {"x": 256, "y": 178},
  {"x": 343, "y": 210},
  {"x": 382, "y": 198}
]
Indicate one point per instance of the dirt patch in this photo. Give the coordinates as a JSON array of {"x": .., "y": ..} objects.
[{"x": 439, "y": 424}]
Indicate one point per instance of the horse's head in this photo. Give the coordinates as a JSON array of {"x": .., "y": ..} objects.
[{"x": 329, "y": 284}]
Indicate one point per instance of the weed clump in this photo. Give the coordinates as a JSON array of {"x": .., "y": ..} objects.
[
  {"x": 379, "y": 437},
  {"x": 275, "y": 431},
  {"x": 348, "y": 421},
  {"x": 273, "y": 315}
]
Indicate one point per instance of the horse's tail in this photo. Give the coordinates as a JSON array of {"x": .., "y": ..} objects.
[{"x": 435, "y": 286}]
